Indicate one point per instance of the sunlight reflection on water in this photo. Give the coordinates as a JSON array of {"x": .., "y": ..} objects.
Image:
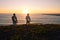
[{"x": 35, "y": 18}]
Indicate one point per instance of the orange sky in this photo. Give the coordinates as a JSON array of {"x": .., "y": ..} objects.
[
  {"x": 31, "y": 11},
  {"x": 33, "y": 6}
]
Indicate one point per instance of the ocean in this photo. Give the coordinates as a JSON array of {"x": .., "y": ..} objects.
[{"x": 5, "y": 19}]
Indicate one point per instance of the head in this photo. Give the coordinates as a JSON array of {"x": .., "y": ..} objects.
[
  {"x": 14, "y": 14},
  {"x": 27, "y": 14}
]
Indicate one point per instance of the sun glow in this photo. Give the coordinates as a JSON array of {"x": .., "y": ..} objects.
[{"x": 26, "y": 11}]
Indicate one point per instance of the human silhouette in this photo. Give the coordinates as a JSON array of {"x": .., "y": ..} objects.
[
  {"x": 14, "y": 19},
  {"x": 28, "y": 19}
]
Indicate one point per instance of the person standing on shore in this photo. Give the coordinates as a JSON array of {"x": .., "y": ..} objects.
[
  {"x": 14, "y": 19},
  {"x": 28, "y": 19}
]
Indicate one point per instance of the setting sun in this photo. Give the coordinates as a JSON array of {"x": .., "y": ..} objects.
[{"x": 25, "y": 11}]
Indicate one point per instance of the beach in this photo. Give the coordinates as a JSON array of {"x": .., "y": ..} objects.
[
  {"x": 29, "y": 19},
  {"x": 30, "y": 32}
]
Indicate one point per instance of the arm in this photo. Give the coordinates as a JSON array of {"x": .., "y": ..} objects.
[
  {"x": 16, "y": 19},
  {"x": 30, "y": 18},
  {"x": 26, "y": 17}
]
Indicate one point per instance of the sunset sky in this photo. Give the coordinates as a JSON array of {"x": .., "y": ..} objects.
[{"x": 32, "y": 6}]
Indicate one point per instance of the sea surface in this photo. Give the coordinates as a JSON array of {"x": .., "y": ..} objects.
[{"x": 5, "y": 19}]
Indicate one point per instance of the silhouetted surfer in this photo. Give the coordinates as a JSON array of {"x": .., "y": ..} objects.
[
  {"x": 28, "y": 19},
  {"x": 14, "y": 19}
]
